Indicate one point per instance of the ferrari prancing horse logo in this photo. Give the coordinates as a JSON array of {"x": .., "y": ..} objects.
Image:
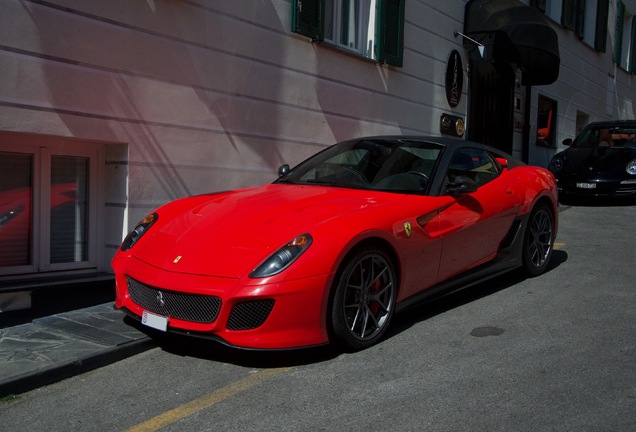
[
  {"x": 176, "y": 260},
  {"x": 407, "y": 229}
]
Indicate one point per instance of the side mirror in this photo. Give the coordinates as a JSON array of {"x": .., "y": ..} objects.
[
  {"x": 461, "y": 185},
  {"x": 283, "y": 170},
  {"x": 503, "y": 162},
  {"x": 567, "y": 142}
]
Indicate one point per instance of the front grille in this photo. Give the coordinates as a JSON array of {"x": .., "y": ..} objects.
[
  {"x": 250, "y": 314},
  {"x": 188, "y": 307}
]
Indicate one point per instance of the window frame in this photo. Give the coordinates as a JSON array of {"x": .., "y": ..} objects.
[
  {"x": 471, "y": 152},
  {"x": 602, "y": 25},
  {"x": 631, "y": 55},
  {"x": 573, "y": 16},
  {"x": 577, "y": 15},
  {"x": 308, "y": 19},
  {"x": 618, "y": 36},
  {"x": 43, "y": 149},
  {"x": 626, "y": 60},
  {"x": 549, "y": 106}
]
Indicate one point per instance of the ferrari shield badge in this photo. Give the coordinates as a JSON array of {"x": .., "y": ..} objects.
[{"x": 407, "y": 229}]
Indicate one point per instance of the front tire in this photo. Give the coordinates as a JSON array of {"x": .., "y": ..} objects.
[
  {"x": 363, "y": 300},
  {"x": 538, "y": 241}
]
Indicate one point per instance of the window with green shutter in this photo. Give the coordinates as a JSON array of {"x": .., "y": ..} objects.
[
  {"x": 602, "y": 14},
  {"x": 391, "y": 30},
  {"x": 618, "y": 40},
  {"x": 631, "y": 61},
  {"x": 308, "y": 17},
  {"x": 573, "y": 16},
  {"x": 370, "y": 28},
  {"x": 539, "y": 4}
]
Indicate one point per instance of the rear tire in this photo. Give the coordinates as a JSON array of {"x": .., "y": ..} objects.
[
  {"x": 538, "y": 240},
  {"x": 364, "y": 299}
]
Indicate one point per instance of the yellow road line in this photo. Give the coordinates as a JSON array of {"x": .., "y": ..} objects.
[
  {"x": 203, "y": 402},
  {"x": 558, "y": 245}
]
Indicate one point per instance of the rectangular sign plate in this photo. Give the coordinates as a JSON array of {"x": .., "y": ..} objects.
[
  {"x": 155, "y": 321},
  {"x": 586, "y": 185}
]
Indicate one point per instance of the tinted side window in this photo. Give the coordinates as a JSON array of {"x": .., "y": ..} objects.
[{"x": 476, "y": 164}]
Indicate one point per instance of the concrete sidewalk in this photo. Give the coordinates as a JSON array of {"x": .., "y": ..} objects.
[{"x": 56, "y": 347}]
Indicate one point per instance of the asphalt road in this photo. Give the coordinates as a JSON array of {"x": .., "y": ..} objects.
[{"x": 552, "y": 353}]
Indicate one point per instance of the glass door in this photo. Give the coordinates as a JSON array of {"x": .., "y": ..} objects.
[
  {"x": 16, "y": 210},
  {"x": 47, "y": 207},
  {"x": 68, "y": 209}
]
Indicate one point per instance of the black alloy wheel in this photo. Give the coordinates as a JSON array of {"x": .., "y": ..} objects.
[
  {"x": 538, "y": 241},
  {"x": 364, "y": 299}
]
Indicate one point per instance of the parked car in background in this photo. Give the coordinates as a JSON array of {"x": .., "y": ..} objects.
[
  {"x": 600, "y": 162},
  {"x": 336, "y": 246}
]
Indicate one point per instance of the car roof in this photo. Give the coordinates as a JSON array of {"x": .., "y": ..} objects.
[
  {"x": 450, "y": 143},
  {"x": 445, "y": 141}
]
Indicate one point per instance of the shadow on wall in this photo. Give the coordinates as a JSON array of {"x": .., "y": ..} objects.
[{"x": 241, "y": 83}]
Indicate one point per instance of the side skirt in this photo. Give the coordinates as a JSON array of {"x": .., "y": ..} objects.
[{"x": 510, "y": 257}]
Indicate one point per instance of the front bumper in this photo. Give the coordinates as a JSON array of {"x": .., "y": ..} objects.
[
  {"x": 249, "y": 314},
  {"x": 594, "y": 187}
]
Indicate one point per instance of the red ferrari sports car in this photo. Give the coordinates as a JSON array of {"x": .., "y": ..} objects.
[{"x": 333, "y": 248}]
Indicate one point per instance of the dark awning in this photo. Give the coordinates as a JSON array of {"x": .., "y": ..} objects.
[{"x": 513, "y": 32}]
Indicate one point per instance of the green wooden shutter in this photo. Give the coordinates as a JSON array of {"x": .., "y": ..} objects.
[
  {"x": 602, "y": 14},
  {"x": 539, "y": 4},
  {"x": 631, "y": 66},
  {"x": 308, "y": 18},
  {"x": 568, "y": 15},
  {"x": 618, "y": 42},
  {"x": 390, "y": 27},
  {"x": 579, "y": 19}
]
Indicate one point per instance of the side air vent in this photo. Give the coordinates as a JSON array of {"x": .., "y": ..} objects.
[{"x": 250, "y": 314}]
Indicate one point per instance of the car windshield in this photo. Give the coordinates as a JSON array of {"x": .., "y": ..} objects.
[
  {"x": 604, "y": 136},
  {"x": 388, "y": 165}
]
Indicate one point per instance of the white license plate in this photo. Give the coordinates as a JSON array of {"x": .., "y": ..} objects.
[
  {"x": 155, "y": 321},
  {"x": 586, "y": 185}
]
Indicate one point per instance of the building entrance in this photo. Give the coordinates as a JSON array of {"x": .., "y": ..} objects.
[{"x": 491, "y": 105}]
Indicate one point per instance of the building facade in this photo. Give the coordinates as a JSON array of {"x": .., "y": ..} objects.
[{"x": 109, "y": 109}]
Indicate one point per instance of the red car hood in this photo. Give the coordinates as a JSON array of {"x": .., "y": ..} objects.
[{"x": 229, "y": 234}]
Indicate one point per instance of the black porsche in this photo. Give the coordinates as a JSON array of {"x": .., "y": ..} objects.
[{"x": 600, "y": 162}]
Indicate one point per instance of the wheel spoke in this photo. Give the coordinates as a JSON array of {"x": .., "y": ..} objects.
[
  {"x": 381, "y": 299},
  {"x": 355, "y": 319},
  {"x": 365, "y": 321},
  {"x": 541, "y": 239},
  {"x": 369, "y": 317},
  {"x": 376, "y": 278}
]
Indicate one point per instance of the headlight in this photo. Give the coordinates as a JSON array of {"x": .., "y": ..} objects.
[
  {"x": 631, "y": 167},
  {"x": 283, "y": 257},
  {"x": 141, "y": 228},
  {"x": 556, "y": 164}
]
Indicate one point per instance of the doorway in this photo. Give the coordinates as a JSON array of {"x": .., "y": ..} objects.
[{"x": 491, "y": 115}]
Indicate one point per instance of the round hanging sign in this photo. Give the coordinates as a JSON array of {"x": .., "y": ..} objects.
[{"x": 454, "y": 78}]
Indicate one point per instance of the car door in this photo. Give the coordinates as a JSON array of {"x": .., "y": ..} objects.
[{"x": 473, "y": 225}]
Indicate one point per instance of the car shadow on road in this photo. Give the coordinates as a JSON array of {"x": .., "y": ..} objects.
[
  {"x": 215, "y": 351},
  {"x": 452, "y": 300},
  {"x": 207, "y": 349}
]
